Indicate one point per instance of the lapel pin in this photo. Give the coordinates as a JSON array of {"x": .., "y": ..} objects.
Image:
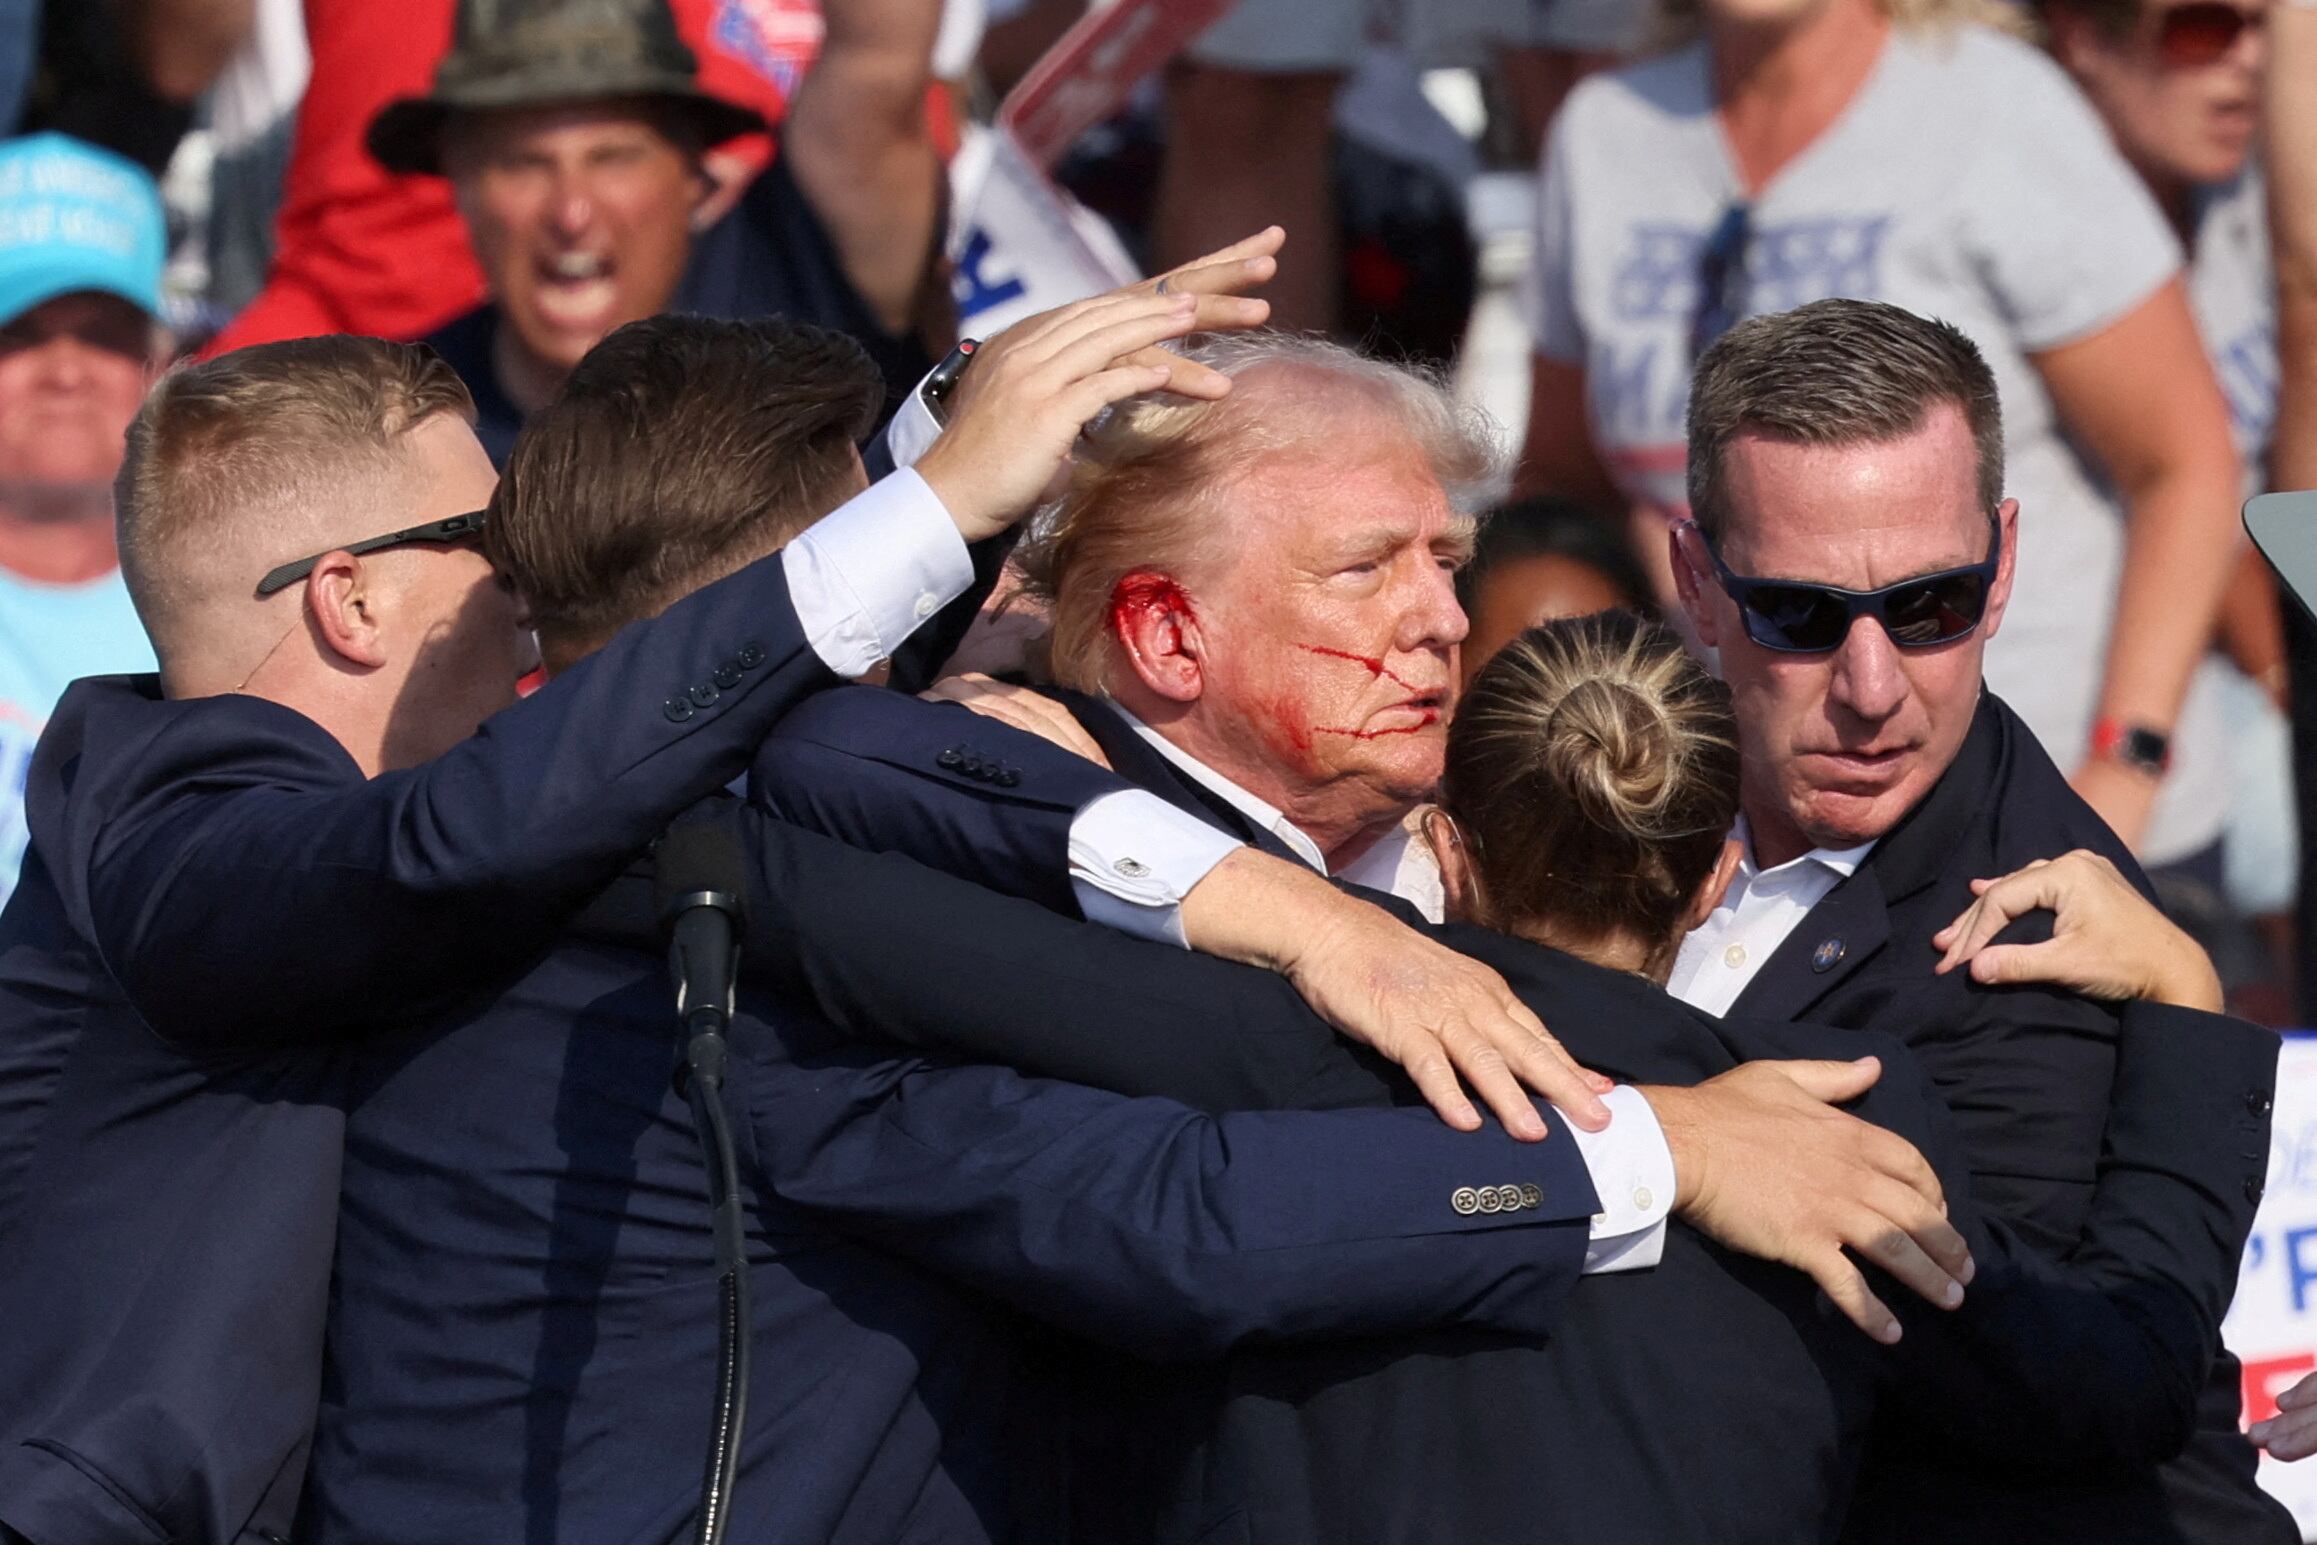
[{"x": 1827, "y": 956}]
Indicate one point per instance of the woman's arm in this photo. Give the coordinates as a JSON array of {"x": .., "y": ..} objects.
[{"x": 2141, "y": 395}]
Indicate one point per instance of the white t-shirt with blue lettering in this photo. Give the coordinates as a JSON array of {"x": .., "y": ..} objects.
[
  {"x": 1967, "y": 180},
  {"x": 50, "y": 636}
]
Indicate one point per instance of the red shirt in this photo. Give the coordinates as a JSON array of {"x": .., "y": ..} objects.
[{"x": 360, "y": 250}]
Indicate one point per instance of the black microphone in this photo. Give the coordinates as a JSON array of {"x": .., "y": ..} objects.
[
  {"x": 700, "y": 880},
  {"x": 701, "y": 885}
]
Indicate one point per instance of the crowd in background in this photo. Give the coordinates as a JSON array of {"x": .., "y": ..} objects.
[{"x": 2080, "y": 186}]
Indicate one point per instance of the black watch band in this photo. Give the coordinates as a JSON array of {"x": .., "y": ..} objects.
[{"x": 939, "y": 385}]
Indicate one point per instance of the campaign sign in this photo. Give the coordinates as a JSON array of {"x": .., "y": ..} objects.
[
  {"x": 1085, "y": 77},
  {"x": 2272, "y": 1327},
  {"x": 1020, "y": 245}
]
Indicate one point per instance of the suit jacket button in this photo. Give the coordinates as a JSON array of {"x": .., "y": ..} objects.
[
  {"x": 1466, "y": 1201},
  {"x": 750, "y": 656},
  {"x": 1531, "y": 1196},
  {"x": 2253, "y": 1189},
  {"x": 703, "y": 694},
  {"x": 1007, "y": 778},
  {"x": 2257, "y": 1103},
  {"x": 952, "y": 759},
  {"x": 1492, "y": 1199},
  {"x": 678, "y": 709},
  {"x": 726, "y": 675}
]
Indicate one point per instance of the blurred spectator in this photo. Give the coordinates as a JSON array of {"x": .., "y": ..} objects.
[
  {"x": 253, "y": 112},
  {"x": 359, "y": 249},
  {"x": 2291, "y": 159},
  {"x": 80, "y": 288},
  {"x": 19, "y": 43},
  {"x": 1800, "y": 149},
  {"x": 125, "y": 75},
  {"x": 1539, "y": 560},
  {"x": 2178, "y": 84},
  {"x": 573, "y": 134}
]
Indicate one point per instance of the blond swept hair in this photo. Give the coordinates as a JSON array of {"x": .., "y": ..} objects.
[
  {"x": 260, "y": 451},
  {"x": 1593, "y": 770},
  {"x": 1149, "y": 481}
]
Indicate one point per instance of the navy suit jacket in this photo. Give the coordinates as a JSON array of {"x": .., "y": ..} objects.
[
  {"x": 523, "y": 1337},
  {"x": 2052, "y": 1094},
  {"x": 2005, "y": 1382},
  {"x": 211, "y": 883},
  {"x": 248, "y": 963}
]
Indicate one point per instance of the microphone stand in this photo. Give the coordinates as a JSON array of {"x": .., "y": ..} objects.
[
  {"x": 703, "y": 1079},
  {"x": 701, "y": 878}
]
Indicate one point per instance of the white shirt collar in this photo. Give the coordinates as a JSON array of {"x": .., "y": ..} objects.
[
  {"x": 1265, "y": 815},
  {"x": 1843, "y": 861}
]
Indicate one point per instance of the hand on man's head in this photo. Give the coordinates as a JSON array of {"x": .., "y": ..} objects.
[{"x": 1032, "y": 389}]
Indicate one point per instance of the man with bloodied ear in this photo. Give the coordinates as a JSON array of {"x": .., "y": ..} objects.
[{"x": 1252, "y": 614}]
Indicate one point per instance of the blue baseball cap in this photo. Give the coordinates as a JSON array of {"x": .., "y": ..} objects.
[{"x": 73, "y": 217}]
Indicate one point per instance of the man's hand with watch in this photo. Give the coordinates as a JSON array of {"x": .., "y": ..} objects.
[
  {"x": 2121, "y": 776},
  {"x": 1011, "y": 408}
]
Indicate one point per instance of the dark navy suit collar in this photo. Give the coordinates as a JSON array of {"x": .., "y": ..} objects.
[
  {"x": 1852, "y": 923},
  {"x": 1134, "y": 759}
]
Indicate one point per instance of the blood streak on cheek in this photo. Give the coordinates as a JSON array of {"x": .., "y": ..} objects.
[
  {"x": 1428, "y": 719},
  {"x": 1147, "y": 593},
  {"x": 1375, "y": 666}
]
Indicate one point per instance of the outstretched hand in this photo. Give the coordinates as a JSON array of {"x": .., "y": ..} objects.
[
  {"x": 2107, "y": 940},
  {"x": 1033, "y": 388},
  {"x": 1765, "y": 1165}
]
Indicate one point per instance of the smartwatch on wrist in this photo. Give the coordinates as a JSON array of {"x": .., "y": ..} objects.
[
  {"x": 939, "y": 385},
  {"x": 2132, "y": 745}
]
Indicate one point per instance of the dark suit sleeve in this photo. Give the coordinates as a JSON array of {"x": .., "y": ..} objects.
[
  {"x": 950, "y": 788},
  {"x": 1154, "y": 1228},
  {"x": 255, "y": 890},
  {"x": 2099, "y": 1359}
]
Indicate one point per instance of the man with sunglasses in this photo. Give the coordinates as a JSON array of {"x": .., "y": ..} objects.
[
  {"x": 1849, "y": 557},
  {"x": 80, "y": 290}
]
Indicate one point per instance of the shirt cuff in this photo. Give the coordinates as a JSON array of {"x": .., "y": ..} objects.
[
  {"x": 1134, "y": 857},
  {"x": 863, "y": 577},
  {"x": 912, "y": 432},
  {"x": 1632, "y": 1170}
]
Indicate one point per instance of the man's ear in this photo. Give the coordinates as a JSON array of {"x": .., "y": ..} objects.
[
  {"x": 2007, "y": 521},
  {"x": 1459, "y": 886},
  {"x": 1715, "y": 886},
  {"x": 1689, "y": 584},
  {"x": 1156, "y": 628},
  {"x": 342, "y": 601}
]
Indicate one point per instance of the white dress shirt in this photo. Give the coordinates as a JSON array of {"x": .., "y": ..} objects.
[{"x": 1762, "y": 907}]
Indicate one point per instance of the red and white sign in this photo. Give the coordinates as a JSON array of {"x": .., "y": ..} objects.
[
  {"x": 1087, "y": 76},
  {"x": 2272, "y": 1326}
]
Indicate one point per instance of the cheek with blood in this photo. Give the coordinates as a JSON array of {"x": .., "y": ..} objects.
[{"x": 1376, "y": 668}]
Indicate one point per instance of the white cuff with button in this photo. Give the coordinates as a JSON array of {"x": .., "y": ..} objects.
[
  {"x": 1632, "y": 1170},
  {"x": 1134, "y": 857},
  {"x": 864, "y": 577}
]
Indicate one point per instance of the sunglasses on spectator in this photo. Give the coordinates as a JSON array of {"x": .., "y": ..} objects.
[
  {"x": 2200, "y": 33},
  {"x": 456, "y": 528},
  {"x": 1795, "y": 617},
  {"x": 1723, "y": 283}
]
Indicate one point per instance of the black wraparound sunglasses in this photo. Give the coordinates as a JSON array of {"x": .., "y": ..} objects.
[
  {"x": 1795, "y": 617},
  {"x": 456, "y": 528}
]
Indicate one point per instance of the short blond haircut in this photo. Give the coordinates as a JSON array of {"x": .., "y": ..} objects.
[
  {"x": 269, "y": 448},
  {"x": 1149, "y": 480}
]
